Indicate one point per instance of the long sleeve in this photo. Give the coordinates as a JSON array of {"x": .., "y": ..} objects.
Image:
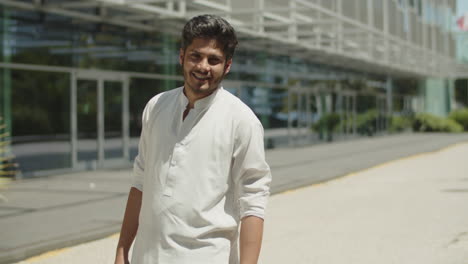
[
  {"x": 139, "y": 163},
  {"x": 251, "y": 172}
]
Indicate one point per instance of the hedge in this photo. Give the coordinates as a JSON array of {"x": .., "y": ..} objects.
[
  {"x": 461, "y": 117},
  {"x": 425, "y": 122},
  {"x": 400, "y": 123}
]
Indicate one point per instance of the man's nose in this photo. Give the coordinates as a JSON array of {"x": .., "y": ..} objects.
[{"x": 203, "y": 65}]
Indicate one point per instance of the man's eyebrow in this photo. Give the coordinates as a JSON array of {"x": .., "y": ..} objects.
[
  {"x": 216, "y": 56},
  {"x": 195, "y": 51}
]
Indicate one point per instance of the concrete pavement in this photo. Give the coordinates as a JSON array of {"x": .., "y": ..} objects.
[
  {"x": 55, "y": 212},
  {"x": 409, "y": 211}
]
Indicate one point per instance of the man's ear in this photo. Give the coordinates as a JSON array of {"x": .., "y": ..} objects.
[
  {"x": 227, "y": 67},
  {"x": 181, "y": 56}
]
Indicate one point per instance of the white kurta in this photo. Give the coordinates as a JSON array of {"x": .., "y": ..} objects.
[{"x": 199, "y": 177}]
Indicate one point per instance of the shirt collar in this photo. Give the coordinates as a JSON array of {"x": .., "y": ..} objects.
[
  {"x": 183, "y": 100},
  {"x": 200, "y": 104}
]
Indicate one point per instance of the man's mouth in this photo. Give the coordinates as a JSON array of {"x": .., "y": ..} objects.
[{"x": 200, "y": 77}]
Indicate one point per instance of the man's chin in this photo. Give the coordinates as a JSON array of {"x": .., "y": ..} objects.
[{"x": 203, "y": 90}]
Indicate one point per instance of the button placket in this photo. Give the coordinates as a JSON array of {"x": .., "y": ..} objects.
[
  {"x": 171, "y": 175},
  {"x": 183, "y": 129}
]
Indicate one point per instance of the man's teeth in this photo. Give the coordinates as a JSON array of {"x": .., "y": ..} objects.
[{"x": 200, "y": 77}]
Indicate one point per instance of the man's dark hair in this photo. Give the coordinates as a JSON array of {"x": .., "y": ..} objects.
[{"x": 210, "y": 27}]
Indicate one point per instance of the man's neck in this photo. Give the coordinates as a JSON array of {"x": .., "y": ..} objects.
[
  {"x": 192, "y": 98},
  {"x": 186, "y": 111}
]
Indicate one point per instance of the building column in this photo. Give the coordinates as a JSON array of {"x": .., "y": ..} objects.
[
  {"x": 370, "y": 22},
  {"x": 169, "y": 66},
  {"x": 355, "y": 101},
  {"x": 319, "y": 102},
  {"x": 389, "y": 98},
  {"x": 5, "y": 93},
  {"x": 386, "y": 29},
  {"x": 126, "y": 117},
  {"x": 290, "y": 106},
  {"x": 340, "y": 29},
  {"x": 437, "y": 94},
  {"x": 452, "y": 103}
]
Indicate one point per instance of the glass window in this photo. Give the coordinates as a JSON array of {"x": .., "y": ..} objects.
[
  {"x": 40, "y": 119},
  {"x": 49, "y": 39},
  {"x": 270, "y": 105}
]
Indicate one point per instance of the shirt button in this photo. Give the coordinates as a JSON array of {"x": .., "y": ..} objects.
[{"x": 173, "y": 162}]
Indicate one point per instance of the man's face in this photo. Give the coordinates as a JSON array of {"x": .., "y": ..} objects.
[{"x": 204, "y": 64}]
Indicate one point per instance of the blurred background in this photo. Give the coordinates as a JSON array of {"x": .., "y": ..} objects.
[
  {"x": 383, "y": 79},
  {"x": 75, "y": 75}
]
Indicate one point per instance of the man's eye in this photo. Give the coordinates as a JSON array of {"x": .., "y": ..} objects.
[
  {"x": 195, "y": 56},
  {"x": 214, "y": 61}
]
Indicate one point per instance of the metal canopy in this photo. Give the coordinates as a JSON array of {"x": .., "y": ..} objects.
[{"x": 365, "y": 35}]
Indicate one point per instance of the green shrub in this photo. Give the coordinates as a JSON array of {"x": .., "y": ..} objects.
[
  {"x": 329, "y": 123},
  {"x": 366, "y": 122},
  {"x": 425, "y": 122},
  {"x": 461, "y": 117},
  {"x": 400, "y": 123},
  {"x": 345, "y": 123}
]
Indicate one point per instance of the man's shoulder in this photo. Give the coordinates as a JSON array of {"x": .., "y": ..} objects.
[
  {"x": 238, "y": 109},
  {"x": 159, "y": 101},
  {"x": 163, "y": 97}
]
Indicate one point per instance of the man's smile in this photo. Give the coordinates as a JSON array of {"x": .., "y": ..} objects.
[{"x": 200, "y": 77}]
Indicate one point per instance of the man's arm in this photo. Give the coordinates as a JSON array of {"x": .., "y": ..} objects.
[
  {"x": 250, "y": 240},
  {"x": 252, "y": 178},
  {"x": 129, "y": 226}
]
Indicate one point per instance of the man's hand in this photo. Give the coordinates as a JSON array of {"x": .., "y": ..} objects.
[
  {"x": 120, "y": 258},
  {"x": 129, "y": 226},
  {"x": 250, "y": 240}
]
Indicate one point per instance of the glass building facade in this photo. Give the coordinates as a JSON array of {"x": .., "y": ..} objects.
[{"x": 73, "y": 91}]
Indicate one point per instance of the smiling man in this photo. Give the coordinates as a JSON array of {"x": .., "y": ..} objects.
[{"x": 200, "y": 173}]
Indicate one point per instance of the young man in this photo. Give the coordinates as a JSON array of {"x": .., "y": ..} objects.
[{"x": 200, "y": 171}]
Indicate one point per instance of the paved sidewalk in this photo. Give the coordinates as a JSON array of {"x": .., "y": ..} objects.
[
  {"x": 44, "y": 214},
  {"x": 408, "y": 211}
]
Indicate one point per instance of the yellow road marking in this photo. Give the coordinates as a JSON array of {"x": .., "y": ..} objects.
[
  {"x": 116, "y": 235},
  {"x": 57, "y": 252},
  {"x": 47, "y": 255}
]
